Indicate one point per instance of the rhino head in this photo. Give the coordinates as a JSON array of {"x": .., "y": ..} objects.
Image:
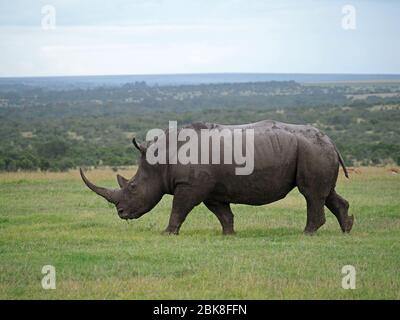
[{"x": 137, "y": 195}]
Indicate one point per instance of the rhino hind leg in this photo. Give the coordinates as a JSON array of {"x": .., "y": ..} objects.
[
  {"x": 315, "y": 215},
  {"x": 224, "y": 214},
  {"x": 340, "y": 207},
  {"x": 315, "y": 194}
]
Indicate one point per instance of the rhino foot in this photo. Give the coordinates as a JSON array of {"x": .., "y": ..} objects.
[
  {"x": 167, "y": 232},
  {"x": 349, "y": 224}
]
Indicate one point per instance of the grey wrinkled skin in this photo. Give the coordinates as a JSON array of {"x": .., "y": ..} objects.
[{"x": 285, "y": 156}]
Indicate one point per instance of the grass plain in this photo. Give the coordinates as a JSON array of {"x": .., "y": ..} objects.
[{"x": 52, "y": 218}]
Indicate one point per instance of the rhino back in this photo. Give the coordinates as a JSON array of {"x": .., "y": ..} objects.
[{"x": 276, "y": 152}]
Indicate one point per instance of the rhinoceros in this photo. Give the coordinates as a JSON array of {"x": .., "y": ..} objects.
[{"x": 285, "y": 156}]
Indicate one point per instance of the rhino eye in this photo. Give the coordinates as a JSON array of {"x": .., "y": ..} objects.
[{"x": 132, "y": 185}]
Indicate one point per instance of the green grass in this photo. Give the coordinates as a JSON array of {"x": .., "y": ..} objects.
[{"x": 53, "y": 219}]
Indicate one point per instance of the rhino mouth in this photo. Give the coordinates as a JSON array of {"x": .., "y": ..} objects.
[{"x": 128, "y": 215}]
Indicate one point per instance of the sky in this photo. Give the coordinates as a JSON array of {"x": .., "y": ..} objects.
[{"x": 98, "y": 37}]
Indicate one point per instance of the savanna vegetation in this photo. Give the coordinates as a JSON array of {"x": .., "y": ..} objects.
[
  {"x": 51, "y": 218},
  {"x": 61, "y": 128}
]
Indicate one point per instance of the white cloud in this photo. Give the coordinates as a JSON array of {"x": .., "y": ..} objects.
[
  {"x": 174, "y": 36},
  {"x": 112, "y": 50}
]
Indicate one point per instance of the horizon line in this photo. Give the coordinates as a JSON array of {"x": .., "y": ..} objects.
[{"x": 199, "y": 73}]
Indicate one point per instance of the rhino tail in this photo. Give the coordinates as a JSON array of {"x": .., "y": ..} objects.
[{"x": 342, "y": 163}]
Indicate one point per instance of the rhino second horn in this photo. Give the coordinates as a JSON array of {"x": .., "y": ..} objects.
[
  {"x": 109, "y": 194},
  {"x": 122, "y": 181}
]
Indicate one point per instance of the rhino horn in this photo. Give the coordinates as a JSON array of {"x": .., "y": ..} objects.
[
  {"x": 108, "y": 194},
  {"x": 122, "y": 181}
]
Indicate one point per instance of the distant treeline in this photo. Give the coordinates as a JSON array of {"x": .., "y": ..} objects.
[{"x": 62, "y": 129}]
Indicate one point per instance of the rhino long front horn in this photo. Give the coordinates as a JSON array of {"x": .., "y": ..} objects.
[{"x": 109, "y": 194}]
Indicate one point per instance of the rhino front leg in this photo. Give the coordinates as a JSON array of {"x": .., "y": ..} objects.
[
  {"x": 175, "y": 221},
  {"x": 224, "y": 214},
  {"x": 185, "y": 199}
]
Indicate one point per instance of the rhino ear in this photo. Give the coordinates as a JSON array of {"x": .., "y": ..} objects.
[{"x": 122, "y": 181}]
